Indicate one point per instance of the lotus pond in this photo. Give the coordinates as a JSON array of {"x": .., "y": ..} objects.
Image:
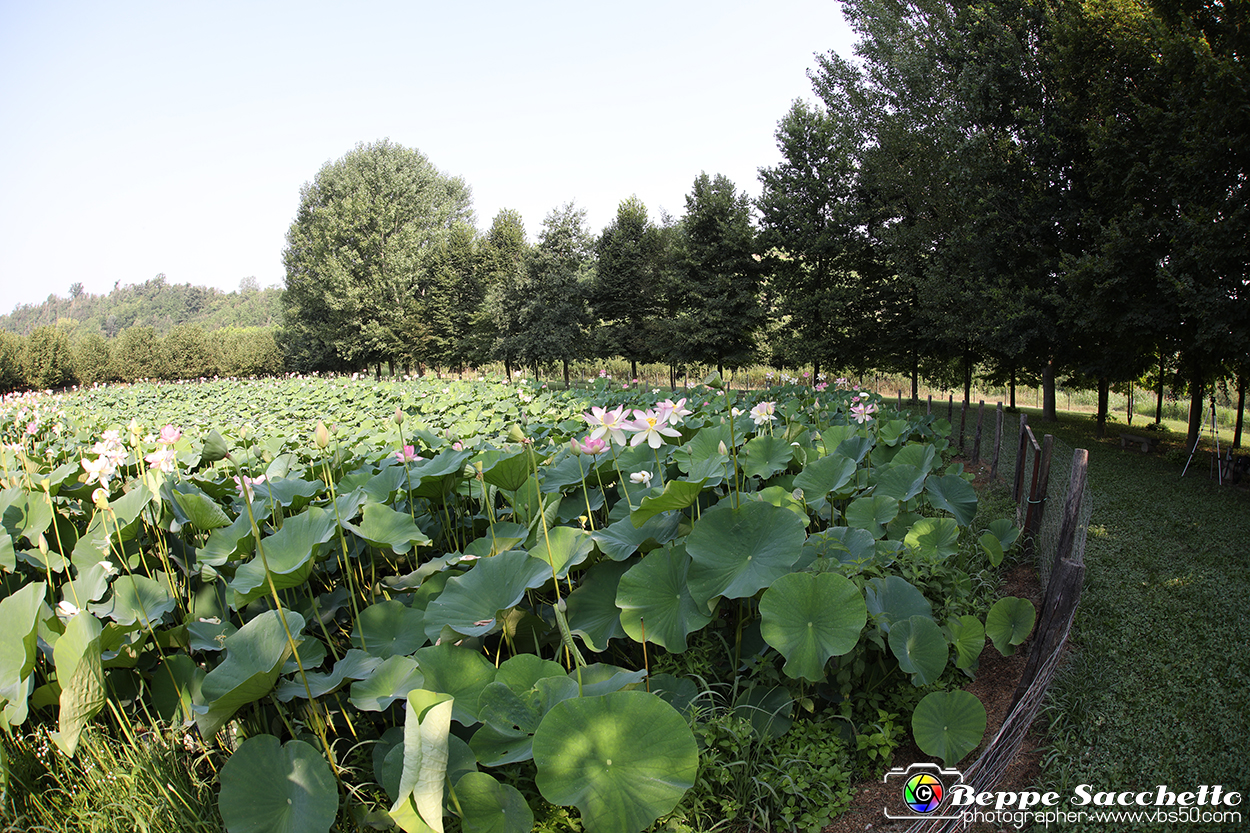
[{"x": 488, "y": 607}]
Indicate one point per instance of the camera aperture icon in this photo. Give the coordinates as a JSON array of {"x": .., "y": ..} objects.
[{"x": 921, "y": 790}]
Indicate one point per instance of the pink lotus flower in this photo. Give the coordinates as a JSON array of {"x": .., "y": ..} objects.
[
  {"x": 677, "y": 411},
  {"x": 763, "y": 412},
  {"x": 590, "y": 445},
  {"x": 862, "y": 411},
  {"x": 607, "y": 423},
  {"x": 244, "y": 487},
  {"x": 408, "y": 454},
  {"x": 170, "y": 435},
  {"x": 165, "y": 460},
  {"x": 651, "y": 426}
]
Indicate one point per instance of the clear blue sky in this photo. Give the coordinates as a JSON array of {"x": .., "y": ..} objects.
[{"x": 140, "y": 138}]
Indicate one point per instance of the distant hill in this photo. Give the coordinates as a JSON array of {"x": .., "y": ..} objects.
[{"x": 155, "y": 303}]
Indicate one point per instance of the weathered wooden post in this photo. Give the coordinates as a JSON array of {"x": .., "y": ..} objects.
[
  {"x": 963, "y": 421},
  {"x": 998, "y": 441},
  {"x": 1018, "y": 482},
  {"x": 1037, "y": 494},
  {"x": 929, "y": 410}
]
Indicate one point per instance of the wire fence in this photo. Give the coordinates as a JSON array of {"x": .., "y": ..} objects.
[{"x": 1053, "y": 510}]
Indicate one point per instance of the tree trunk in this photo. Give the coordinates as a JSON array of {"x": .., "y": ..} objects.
[
  {"x": 1048, "y": 392},
  {"x": 633, "y": 369},
  {"x": 1159, "y": 400},
  {"x": 915, "y": 376},
  {"x": 507, "y": 369},
  {"x": 1196, "y": 392},
  {"x": 1104, "y": 391},
  {"x": 1241, "y": 405},
  {"x": 1012, "y": 406},
  {"x": 967, "y": 376},
  {"x": 566, "y": 374}
]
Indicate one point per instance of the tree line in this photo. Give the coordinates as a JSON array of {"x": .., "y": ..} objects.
[{"x": 1022, "y": 190}]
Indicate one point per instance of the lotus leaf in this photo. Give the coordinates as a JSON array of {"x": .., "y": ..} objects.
[
  {"x": 948, "y": 724},
  {"x": 623, "y": 759},
  {"x": 270, "y": 788},
  {"x": 811, "y": 617}
]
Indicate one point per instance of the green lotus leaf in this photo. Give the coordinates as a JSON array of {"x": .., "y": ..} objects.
[
  {"x": 506, "y": 470},
  {"x": 1009, "y": 623},
  {"x": 561, "y": 548},
  {"x": 892, "y": 599},
  {"x": 383, "y": 486},
  {"x": 78, "y": 670},
  {"x": 953, "y": 494},
  {"x": 968, "y": 636},
  {"x": 427, "y": 727},
  {"x": 992, "y": 547},
  {"x": 855, "y": 447},
  {"x": 654, "y": 600},
  {"x": 677, "y": 495},
  {"x": 270, "y": 788},
  {"x": 255, "y": 655},
  {"x": 200, "y": 510},
  {"x": 176, "y": 686},
  {"x": 948, "y": 724},
  {"x": 289, "y": 554},
  {"x": 678, "y": 692},
  {"x": 764, "y": 456},
  {"x": 511, "y": 716},
  {"x": 1005, "y": 531},
  {"x": 811, "y": 617},
  {"x": 604, "y": 678},
  {"x": 488, "y": 806},
  {"x": 592, "y": 611},
  {"x": 289, "y": 491},
  {"x": 460, "y": 672},
  {"x": 900, "y": 481},
  {"x": 893, "y": 431},
  {"x": 920, "y": 647},
  {"x": 226, "y": 543},
  {"x": 920, "y": 455},
  {"x": 390, "y": 681},
  {"x": 872, "y": 513},
  {"x": 385, "y": 528},
  {"x": 19, "y": 628},
  {"x": 825, "y": 475},
  {"x": 622, "y": 539},
  {"x": 355, "y": 665},
  {"x": 738, "y": 552},
  {"x": 137, "y": 600},
  {"x": 470, "y": 603},
  {"x": 623, "y": 759},
  {"x": 388, "y": 628},
  {"x": 523, "y": 671},
  {"x": 935, "y": 537},
  {"x": 500, "y": 537}
]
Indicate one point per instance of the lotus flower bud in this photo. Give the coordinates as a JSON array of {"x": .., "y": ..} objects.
[
  {"x": 321, "y": 435},
  {"x": 398, "y": 417}
]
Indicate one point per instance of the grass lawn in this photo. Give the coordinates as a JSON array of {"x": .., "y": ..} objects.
[{"x": 1157, "y": 688}]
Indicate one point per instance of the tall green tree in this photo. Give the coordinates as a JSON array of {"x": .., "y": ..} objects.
[
  {"x": 451, "y": 297},
  {"x": 357, "y": 253},
  {"x": 48, "y": 363},
  {"x": 812, "y": 223},
  {"x": 626, "y": 289},
  {"x": 719, "y": 276},
  {"x": 496, "y": 327},
  {"x": 554, "y": 313}
]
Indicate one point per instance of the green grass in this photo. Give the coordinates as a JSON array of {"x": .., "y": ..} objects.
[{"x": 1157, "y": 688}]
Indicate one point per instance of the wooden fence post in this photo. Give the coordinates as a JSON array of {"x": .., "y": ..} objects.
[
  {"x": 950, "y": 408},
  {"x": 1020, "y": 441},
  {"x": 1072, "y": 507},
  {"x": 963, "y": 421},
  {"x": 1063, "y": 591},
  {"x": 900, "y": 399},
  {"x": 929, "y": 410},
  {"x": 1037, "y": 494}
]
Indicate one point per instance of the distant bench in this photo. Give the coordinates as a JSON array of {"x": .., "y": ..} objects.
[{"x": 1147, "y": 443}]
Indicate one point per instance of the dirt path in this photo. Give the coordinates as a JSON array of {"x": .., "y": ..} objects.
[{"x": 995, "y": 686}]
